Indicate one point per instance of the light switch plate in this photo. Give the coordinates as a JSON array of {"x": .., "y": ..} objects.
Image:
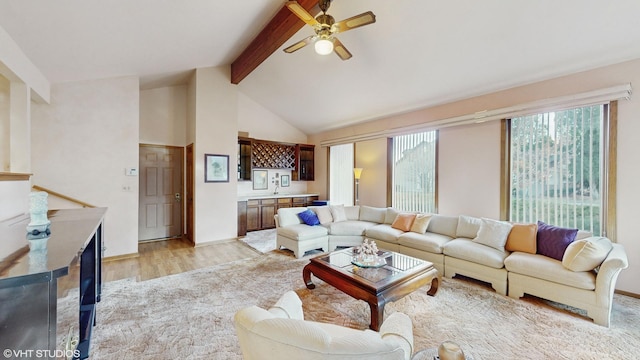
[{"x": 131, "y": 171}]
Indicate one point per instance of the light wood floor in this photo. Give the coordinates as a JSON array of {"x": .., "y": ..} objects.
[{"x": 162, "y": 258}]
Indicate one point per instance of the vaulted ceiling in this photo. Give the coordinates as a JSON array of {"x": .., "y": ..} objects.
[{"x": 419, "y": 53}]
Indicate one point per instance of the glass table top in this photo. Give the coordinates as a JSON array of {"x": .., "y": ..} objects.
[{"x": 395, "y": 264}]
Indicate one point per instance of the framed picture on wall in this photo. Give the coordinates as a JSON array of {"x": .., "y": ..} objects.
[
  {"x": 260, "y": 180},
  {"x": 284, "y": 180},
  {"x": 216, "y": 168}
]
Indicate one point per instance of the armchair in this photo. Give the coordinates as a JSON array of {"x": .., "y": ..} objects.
[{"x": 282, "y": 333}]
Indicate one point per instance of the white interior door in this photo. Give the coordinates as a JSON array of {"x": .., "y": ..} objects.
[{"x": 160, "y": 206}]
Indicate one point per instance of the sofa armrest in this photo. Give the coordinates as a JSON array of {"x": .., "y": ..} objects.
[
  {"x": 288, "y": 306},
  {"x": 277, "y": 220},
  {"x": 615, "y": 262},
  {"x": 398, "y": 328}
]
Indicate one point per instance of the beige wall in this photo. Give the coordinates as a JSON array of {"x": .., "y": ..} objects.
[
  {"x": 371, "y": 156},
  {"x": 469, "y": 170},
  {"x": 163, "y": 116},
  {"x": 469, "y": 157},
  {"x": 261, "y": 123},
  {"x": 81, "y": 144},
  {"x": 216, "y": 132},
  {"x": 5, "y": 138}
]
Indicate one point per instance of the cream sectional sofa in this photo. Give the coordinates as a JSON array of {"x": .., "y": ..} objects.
[{"x": 472, "y": 247}]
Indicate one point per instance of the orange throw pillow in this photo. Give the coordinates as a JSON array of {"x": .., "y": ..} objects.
[
  {"x": 403, "y": 222},
  {"x": 522, "y": 238}
]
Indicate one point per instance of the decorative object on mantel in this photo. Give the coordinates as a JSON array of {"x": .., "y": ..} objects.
[
  {"x": 367, "y": 255},
  {"x": 38, "y": 207}
]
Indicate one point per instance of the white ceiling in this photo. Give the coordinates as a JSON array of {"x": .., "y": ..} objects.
[{"x": 419, "y": 53}]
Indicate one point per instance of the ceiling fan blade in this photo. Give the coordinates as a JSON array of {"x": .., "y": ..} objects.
[
  {"x": 300, "y": 12},
  {"x": 300, "y": 44},
  {"x": 354, "y": 22},
  {"x": 340, "y": 50}
]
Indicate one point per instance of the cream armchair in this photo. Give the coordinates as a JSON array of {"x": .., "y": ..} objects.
[{"x": 282, "y": 333}]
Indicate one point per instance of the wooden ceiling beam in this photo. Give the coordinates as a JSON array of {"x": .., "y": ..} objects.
[{"x": 280, "y": 29}]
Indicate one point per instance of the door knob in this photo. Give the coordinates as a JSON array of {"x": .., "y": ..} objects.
[{"x": 178, "y": 197}]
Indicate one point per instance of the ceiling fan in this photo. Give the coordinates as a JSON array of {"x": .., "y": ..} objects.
[{"x": 326, "y": 27}]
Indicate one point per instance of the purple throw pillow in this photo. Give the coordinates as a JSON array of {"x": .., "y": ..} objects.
[
  {"x": 309, "y": 217},
  {"x": 552, "y": 241}
]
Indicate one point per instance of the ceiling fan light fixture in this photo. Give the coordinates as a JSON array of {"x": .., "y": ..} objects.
[{"x": 324, "y": 46}]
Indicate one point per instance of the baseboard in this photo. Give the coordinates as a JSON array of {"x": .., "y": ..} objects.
[
  {"x": 206, "y": 243},
  {"x": 627, "y": 293},
  {"x": 121, "y": 257}
]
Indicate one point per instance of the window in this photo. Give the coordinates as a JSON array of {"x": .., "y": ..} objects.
[
  {"x": 557, "y": 168},
  {"x": 414, "y": 172},
  {"x": 341, "y": 174}
]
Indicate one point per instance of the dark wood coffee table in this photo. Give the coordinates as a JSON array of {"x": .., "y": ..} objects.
[{"x": 377, "y": 286}]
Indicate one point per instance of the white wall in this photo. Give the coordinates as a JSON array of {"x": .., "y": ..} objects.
[
  {"x": 477, "y": 149},
  {"x": 216, "y": 132},
  {"x": 163, "y": 116},
  {"x": 81, "y": 144}
]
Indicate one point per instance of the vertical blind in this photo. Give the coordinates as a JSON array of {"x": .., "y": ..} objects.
[
  {"x": 556, "y": 168},
  {"x": 341, "y": 174},
  {"x": 414, "y": 172}
]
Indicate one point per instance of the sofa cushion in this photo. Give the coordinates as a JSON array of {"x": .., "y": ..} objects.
[
  {"x": 302, "y": 232},
  {"x": 430, "y": 242},
  {"x": 309, "y": 217},
  {"x": 470, "y": 250},
  {"x": 421, "y": 223},
  {"x": 444, "y": 225},
  {"x": 324, "y": 214},
  {"x": 372, "y": 214},
  {"x": 403, "y": 221},
  {"x": 352, "y": 212},
  {"x": 289, "y": 216},
  {"x": 338, "y": 213},
  {"x": 522, "y": 238},
  {"x": 350, "y": 227},
  {"x": 384, "y": 232},
  {"x": 390, "y": 215},
  {"x": 468, "y": 226},
  {"x": 493, "y": 233},
  {"x": 546, "y": 268},
  {"x": 553, "y": 240},
  {"x": 586, "y": 254}
]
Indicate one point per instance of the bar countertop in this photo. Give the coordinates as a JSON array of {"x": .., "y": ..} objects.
[
  {"x": 271, "y": 196},
  {"x": 70, "y": 231}
]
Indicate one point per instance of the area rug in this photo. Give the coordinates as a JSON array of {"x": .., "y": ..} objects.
[
  {"x": 190, "y": 316},
  {"x": 263, "y": 240}
]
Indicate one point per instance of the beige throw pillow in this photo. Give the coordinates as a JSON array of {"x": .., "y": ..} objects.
[
  {"x": 586, "y": 254},
  {"x": 522, "y": 238},
  {"x": 468, "y": 226},
  {"x": 493, "y": 233},
  {"x": 324, "y": 214},
  {"x": 421, "y": 223},
  {"x": 338, "y": 213},
  {"x": 403, "y": 221}
]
